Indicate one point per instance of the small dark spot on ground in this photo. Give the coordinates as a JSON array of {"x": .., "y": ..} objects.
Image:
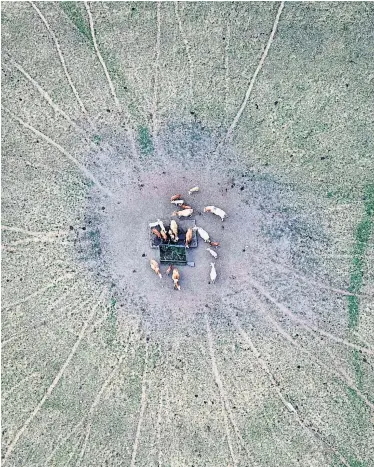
[
  {"x": 71, "y": 227},
  {"x": 323, "y": 158},
  {"x": 103, "y": 208},
  {"x": 83, "y": 228},
  {"x": 276, "y": 103},
  {"x": 108, "y": 110},
  {"x": 143, "y": 255},
  {"x": 134, "y": 270},
  {"x": 241, "y": 188}
]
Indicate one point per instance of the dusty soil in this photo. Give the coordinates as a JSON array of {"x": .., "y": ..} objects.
[
  {"x": 111, "y": 108},
  {"x": 258, "y": 227}
]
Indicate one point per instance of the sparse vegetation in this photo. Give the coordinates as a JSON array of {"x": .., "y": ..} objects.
[{"x": 268, "y": 111}]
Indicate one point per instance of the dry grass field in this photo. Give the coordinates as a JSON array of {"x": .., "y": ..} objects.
[{"x": 110, "y": 108}]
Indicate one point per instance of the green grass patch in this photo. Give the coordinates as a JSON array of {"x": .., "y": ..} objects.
[
  {"x": 145, "y": 141},
  {"x": 75, "y": 13},
  {"x": 352, "y": 462},
  {"x": 97, "y": 139},
  {"x": 113, "y": 311},
  {"x": 94, "y": 236},
  {"x": 362, "y": 237},
  {"x": 353, "y": 311}
]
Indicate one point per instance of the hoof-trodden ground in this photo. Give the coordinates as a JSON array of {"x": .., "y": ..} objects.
[{"x": 108, "y": 110}]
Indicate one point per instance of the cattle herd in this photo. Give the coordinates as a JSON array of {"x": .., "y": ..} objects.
[{"x": 159, "y": 231}]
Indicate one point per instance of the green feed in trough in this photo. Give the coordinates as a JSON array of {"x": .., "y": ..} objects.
[{"x": 175, "y": 254}]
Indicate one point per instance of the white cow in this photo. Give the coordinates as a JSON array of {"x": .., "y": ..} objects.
[
  {"x": 217, "y": 211},
  {"x": 203, "y": 234},
  {"x": 213, "y": 253},
  {"x": 213, "y": 273}
]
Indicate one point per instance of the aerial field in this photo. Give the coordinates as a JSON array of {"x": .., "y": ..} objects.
[{"x": 108, "y": 110}]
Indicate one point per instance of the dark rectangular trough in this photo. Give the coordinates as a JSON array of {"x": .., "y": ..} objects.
[{"x": 183, "y": 226}]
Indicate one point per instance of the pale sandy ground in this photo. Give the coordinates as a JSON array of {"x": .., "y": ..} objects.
[{"x": 103, "y": 363}]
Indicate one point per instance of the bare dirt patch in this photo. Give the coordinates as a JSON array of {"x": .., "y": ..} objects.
[{"x": 262, "y": 226}]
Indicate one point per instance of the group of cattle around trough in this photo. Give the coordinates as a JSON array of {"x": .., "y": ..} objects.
[{"x": 173, "y": 239}]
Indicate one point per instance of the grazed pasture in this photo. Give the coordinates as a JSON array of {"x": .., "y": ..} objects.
[{"x": 109, "y": 108}]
